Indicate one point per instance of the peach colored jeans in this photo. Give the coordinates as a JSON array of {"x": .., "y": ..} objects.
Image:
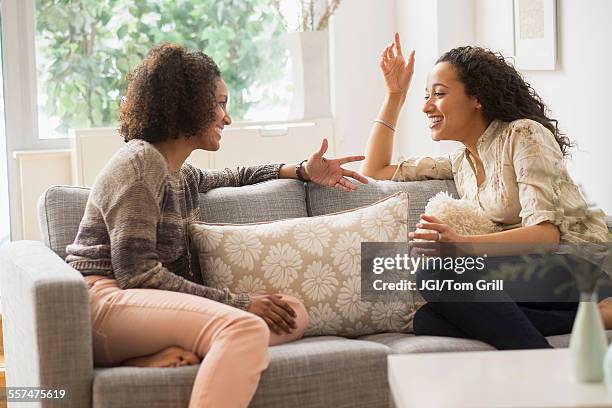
[{"x": 232, "y": 343}]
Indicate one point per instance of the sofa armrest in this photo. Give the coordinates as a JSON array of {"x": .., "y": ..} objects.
[{"x": 46, "y": 322}]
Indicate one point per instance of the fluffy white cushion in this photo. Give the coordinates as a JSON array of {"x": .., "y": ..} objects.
[
  {"x": 465, "y": 217},
  {"x": 316, "y": 259}
]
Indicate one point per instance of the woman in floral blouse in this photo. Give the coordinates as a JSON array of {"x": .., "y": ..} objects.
[{"x": 511, "y": 165}]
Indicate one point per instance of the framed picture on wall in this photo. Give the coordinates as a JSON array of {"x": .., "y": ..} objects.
[{"x": 535, "y": 33}]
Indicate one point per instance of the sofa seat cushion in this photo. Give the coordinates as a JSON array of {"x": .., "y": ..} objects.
[
  {"x": 314, "y": 372},
  {"x": 142, "y": 387},
  {"x": 325, "y": 371},
  {"x": 401, "y": 343}
]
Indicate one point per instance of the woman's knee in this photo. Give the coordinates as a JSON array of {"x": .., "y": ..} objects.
[
  {"x": 240, "y": 331},
  {"x": 252, "y": 326},
  {"x": 301, "y": 314}
]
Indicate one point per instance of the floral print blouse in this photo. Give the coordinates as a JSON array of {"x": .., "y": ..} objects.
[{"x": 526, "y": 181}]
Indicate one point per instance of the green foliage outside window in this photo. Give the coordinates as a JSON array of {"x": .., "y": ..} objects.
[{"x": 85, "y": 48}]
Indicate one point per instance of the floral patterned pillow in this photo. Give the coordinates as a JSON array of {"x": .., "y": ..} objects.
[{"x": 316, "y": 259}]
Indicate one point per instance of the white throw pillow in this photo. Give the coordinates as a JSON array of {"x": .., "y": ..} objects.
[
  {"x": 465, "y": 217},
  {"x": 315, "y": 259}
]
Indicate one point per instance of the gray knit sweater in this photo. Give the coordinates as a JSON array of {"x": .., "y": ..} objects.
[{"x": 135, "y": 224}]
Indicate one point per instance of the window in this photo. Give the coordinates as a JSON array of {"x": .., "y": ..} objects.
[
  {"x": 5, "y": 226},
  {"x": 85, "y": 48}
]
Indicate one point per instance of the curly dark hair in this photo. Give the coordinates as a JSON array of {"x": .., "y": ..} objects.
[
  {"x": 500, "y": 89},
  {"x": 170, "y": 94}
]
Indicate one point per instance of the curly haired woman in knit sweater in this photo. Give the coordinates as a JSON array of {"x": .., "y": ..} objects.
[
  {"x": 148, "y": 308},
  {"x": 511, "y": 165}
]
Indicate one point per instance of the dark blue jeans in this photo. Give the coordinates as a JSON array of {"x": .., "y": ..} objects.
[{"x": 501, "y": 322}]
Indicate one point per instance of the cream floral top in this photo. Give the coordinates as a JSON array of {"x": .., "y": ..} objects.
[{"x": 526, "y": 181}]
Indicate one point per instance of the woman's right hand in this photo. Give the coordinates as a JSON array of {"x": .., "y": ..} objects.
[
  {"x": 277, "y": 313},
  {"x": 397, "y": 73}
]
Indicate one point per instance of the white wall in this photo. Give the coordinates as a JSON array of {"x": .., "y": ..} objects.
[
  {"x": 579, "y": 91},
  {"x": 430, "y": 28},
  {"x": 360, "y": 30},
  {"x": 455, "y": 24},
  {"x": 494, "y": 25},
  {"x": 417, "y": 24}
]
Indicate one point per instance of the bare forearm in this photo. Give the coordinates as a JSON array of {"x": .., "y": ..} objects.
[
  {"x": 379, "y": 148},
  {"x": 520, "y": 240},
  {"x": 545, "y": 233}
]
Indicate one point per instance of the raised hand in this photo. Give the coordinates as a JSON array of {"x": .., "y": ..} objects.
[
  {"x": 396, "y": 71},
  {"x": 328, "y": 172}
]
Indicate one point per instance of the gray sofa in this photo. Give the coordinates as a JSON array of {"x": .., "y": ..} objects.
[{"x": 47, "y": 323}]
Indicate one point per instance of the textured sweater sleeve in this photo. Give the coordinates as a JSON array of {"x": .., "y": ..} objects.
[
  {"x": 240, "y": 176},
  {"x": 132, "y": 222}
]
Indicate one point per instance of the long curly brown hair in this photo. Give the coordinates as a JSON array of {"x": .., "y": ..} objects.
[
  {"x": 500, "y": 89},
  {"x": 170, "y": 94}
]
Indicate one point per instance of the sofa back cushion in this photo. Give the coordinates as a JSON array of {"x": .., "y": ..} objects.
[
  {"x": 269, "y": 201},
  {"x": 61, "y": 208},
  {"x": 325, "y": 200}
]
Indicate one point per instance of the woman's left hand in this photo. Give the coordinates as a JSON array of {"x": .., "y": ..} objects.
[
  {"x": 439, "y": 232},
  {"x": 328, "y": 172}
]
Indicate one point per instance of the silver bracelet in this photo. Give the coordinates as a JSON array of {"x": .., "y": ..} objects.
[{"x": 385, "y": 123}]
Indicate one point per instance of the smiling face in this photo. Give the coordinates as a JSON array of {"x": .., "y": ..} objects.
[
  {"x": 452, "y": 114},
  {"x": 211, "y": 137}
]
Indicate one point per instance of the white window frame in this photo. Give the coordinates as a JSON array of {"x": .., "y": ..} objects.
[
  {"x": 20, "y": 96},
  {"x": 20, "y": 77},
  {"x": 18, "y": 31},
  {"x": 20, "y": 90}
]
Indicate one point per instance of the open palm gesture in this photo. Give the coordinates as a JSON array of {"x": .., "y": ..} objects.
[
  {"x": 396, "y": 71},
  {"x": 328, "y": 172}
]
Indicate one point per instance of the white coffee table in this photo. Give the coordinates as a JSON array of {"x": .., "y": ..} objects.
[{"x": 521, "y": 378}]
